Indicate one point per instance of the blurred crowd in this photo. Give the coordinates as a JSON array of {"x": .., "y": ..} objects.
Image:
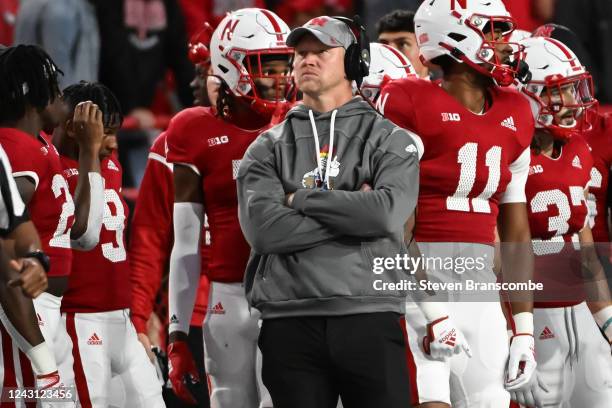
[{"x": 138, "y": 48}]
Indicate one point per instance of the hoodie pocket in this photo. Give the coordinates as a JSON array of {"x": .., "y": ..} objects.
[
  {"x": 367, "y": 254},
  {"x": 266, "y": 267}
]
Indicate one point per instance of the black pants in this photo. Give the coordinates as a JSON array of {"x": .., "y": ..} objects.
[{"x": 309, "y": 361}]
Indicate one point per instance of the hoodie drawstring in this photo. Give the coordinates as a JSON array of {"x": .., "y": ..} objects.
[{"x": 315, "y": 134}]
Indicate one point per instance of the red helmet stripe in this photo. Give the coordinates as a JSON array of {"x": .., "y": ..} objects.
[
  {"x": 401, "y": 57},
  {"x": 563, "y": 49},
  {"x": 275, "y": 24}
]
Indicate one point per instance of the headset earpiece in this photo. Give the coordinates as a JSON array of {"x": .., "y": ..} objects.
[{"x": 357, "y": 57}]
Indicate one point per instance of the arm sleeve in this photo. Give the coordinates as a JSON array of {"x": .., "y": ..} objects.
[
  {"x": 90, "y": 238},
  {"x": 151, "y": 238},
  {"x": 515, "y": 191},
  {"x": 380, "y": 212},
  {"x": 185, "y": 264},
  {"x": 268, "y": 225},
  {"x": 12, "y": 207}
]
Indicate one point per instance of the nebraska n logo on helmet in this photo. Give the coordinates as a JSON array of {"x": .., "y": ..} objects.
[
  {"x": 460, "y": 3},
  {"x": 242, "y": 42},
  {"x": 458, "y": 29}
]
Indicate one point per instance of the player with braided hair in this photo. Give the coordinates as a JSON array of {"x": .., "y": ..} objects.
[
  {"x": 96, "y": 304},
  {"x": 30, "y": 103},
  {"x": 205, "y": 145}
]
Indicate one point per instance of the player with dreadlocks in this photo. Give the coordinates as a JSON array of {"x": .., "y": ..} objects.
[
  {"x": 96, "y": 304},
  {"x": 30, "y": 103},
  {"x": 17, "y": 313},
  {"x": 249, "y": 55}
]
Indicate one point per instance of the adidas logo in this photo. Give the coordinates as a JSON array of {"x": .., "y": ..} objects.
[
  {"x": 94, "y": 340},
  {"x": 112, "y": 166},
  {"x": 217, "y": 309},
  {"x": 509, "y": 123},
  {"x": 40, "y": 320},
  {"x": 174, "y": 319},
  {"x": 576, "y": 162},
  {"x": 547, "y": 334},
  {"x": 450, "y": 338}
]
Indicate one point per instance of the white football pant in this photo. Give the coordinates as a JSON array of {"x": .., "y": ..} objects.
[
  {"x": 106, "y": 346},
  {"x": 230, "y": 334},
  {"x": 462, "y": 382},
  {"x": 53, "y": 329},
  {"x": 573, "y": 358}
]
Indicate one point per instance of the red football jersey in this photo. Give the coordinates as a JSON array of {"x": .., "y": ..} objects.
[
  {"x": 215, "y": 148},
  {"x": 466, "y": 166},
  {"x": 151, "y": 241},
  {"x": 557, "y": 210},
  {"x": 51, "y": 207},
  {"x": 555, "y": 192},
  {"x": 100, "y": 279},
  {"x": 600, "y": 140}
]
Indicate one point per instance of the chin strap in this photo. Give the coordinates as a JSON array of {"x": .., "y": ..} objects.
[
  {"x": 523, "y": 74},
  {"x": 501, "y": 75}
]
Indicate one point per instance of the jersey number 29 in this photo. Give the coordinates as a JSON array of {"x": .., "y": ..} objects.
[{"x": 114, "y": 251}]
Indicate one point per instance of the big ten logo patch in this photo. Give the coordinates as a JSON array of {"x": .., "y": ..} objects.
[
  {"x": 214, "y": 141},
  {"x": 450, "y": 117}
]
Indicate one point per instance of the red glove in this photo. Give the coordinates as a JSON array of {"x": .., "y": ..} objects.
[
  {"x": 181, "y": 368},
  {"x": 45, "y": 381}
]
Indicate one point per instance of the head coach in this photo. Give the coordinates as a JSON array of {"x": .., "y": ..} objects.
[{"x": 321, "y": 196}]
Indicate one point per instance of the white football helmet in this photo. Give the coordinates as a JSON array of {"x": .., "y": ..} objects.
[
  {"x": 457, "y": 28},
  {"x": 238, "y": 45},
  {"x": 559, "y": 85},
  {"x": 518, "y": 35},
  {"x": 386, "y": 63}
]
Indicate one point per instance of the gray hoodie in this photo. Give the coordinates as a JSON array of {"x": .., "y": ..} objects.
[{"x": 316, "y": 257}]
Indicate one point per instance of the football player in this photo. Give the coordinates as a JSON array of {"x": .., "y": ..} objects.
[
  {"x": 249, "y": 55},
  {"x": 599, "y": 137},
  {"x": 151, "y": 228},
  {"x": 17, "y": 311},
  {"x": 96, "y": 304},
  {"x": 476, "y": 134},
  {"x": 33, "y": 104},
  {"x": 573, "y": 358}
]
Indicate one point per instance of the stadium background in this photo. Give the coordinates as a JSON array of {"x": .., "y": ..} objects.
[{"x": 139, "y": 49}]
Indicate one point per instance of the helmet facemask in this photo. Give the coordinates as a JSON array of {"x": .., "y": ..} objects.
[
  {"x": 495, "y": 32},
  {"x": 565, "y": 103},
  {"x": 265, "y": 79}
]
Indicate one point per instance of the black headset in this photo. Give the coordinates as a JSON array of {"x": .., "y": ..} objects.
[{"x": 357, "y": 57}]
